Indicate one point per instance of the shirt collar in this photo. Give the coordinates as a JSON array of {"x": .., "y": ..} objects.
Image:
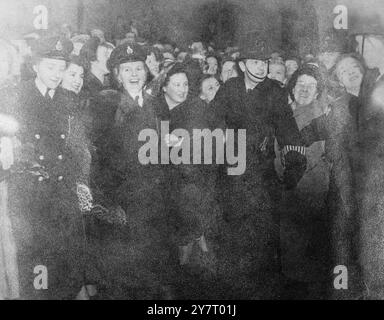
[
  {"x": 139, "y": 98},
  {"x": 43, "y": 88},
  {"x": 250, "y": 89},
  {"x": 247, "y": 88}
]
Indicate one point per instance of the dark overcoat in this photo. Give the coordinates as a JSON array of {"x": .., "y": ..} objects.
[
  {"x": 48, "y": 224},
  {"x": 135, "y": 257},
  {"x": 339, "y": 131},
  {"x": 251, "y": 199}
]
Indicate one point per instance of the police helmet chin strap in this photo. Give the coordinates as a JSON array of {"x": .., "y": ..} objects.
[{"x": 255, "y": 76}]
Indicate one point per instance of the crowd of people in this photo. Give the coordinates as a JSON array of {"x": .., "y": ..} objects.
[{"x": 77, "y": 199}]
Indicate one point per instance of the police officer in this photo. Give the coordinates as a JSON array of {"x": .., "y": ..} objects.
[
  {"x": 137, "y": 252},
  {"x": 259, "y": 105},
  {"x": 45, "y": 207}
]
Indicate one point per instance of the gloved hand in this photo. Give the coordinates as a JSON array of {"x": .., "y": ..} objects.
[{"x": 295, "y": 166}]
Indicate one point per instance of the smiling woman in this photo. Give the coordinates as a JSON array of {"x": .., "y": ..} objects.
[
  {"x": 305, "y": 90},
  {"x": 176, "y": 89},
  {"x": 349, "y": 71},
  {"x": 208, "y": 88},
  {"x": 73, "y": 78},
  {"x": 132, "y": 76},
  {"x": 133, "y": 259}
]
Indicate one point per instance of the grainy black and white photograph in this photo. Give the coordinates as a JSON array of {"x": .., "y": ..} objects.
[{"x": 219, "y": 150}]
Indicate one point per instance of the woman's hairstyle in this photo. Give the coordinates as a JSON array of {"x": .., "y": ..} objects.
[
  {"x": 80, "y": 38},
  {"x": 89, "y": 49},
  {"x": 277, "y": 62},
  {"x": 176, "y": 68},
  {"x": 78, "y": 60},
  {"x": 180, "y": 58},
  {"x": 293, "y": 58},
  {"x": 235, "y": 62},
  {"x": 213, "y": 55},
  {"x": 309, "y": 69},
  {"x": 159, "y": 57},
  {"x": 156, "y": 51},
  {"x": 226, "y": 59}
]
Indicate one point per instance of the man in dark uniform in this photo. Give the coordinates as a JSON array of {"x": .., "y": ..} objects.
[
  {"x": 251, "y": 235},
  {"x": 45, "y": 208}
]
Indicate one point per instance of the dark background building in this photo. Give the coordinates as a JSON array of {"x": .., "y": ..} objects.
[{"x": 285, "y": 24}]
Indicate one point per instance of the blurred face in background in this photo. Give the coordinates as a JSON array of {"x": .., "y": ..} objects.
[
  {"x": 329, "y": 59},
  {"x": 133, "y": 76},
  {"x": 275, "y": 57},
  {"x": 168, "y": 47},
  {"x": 181, "y": 56},
  {"x": 350, "y": 74},
  {"x": 130, "y": 37},
  {"x": 212, "y": 65},
  {"x": 209, "y": 88},
  {"x": 228, "y": 71},
  {"x": 176, "y": 90},
  {"x": 103, "y": 53},
  {"x": 153, "y": 64},
  {"x": 50, "y": 71},
  {"x": 235, "y": 55},
  {"x": 277, "y": 72},
  {"x": 305, "y": 90},
  {"x": 291, "y": 66},
  {"x": 76, "y": 48},
  {"x": 98, "y": 33},
  {"x": 198, "y": 48},
  {"x": 73, "y": 78}
]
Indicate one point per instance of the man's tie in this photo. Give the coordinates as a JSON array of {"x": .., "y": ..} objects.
[
  {"x": 139, "y": 101},
  {"x": 49, "y": 94}
]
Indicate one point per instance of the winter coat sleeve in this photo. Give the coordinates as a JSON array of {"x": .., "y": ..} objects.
[{"x": 288, "y": 137}]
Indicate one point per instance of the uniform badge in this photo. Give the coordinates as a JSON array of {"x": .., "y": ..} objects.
[
  {"x": 59, "y": 46},
  {"x": 129, "y": 50}
]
